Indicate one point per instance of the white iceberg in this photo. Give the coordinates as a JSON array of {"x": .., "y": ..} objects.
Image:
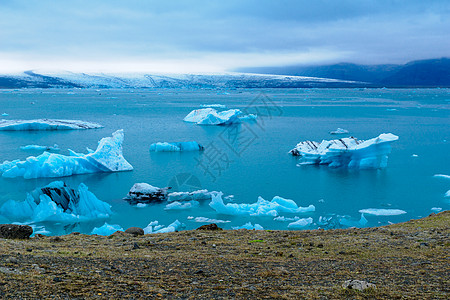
[
  {"x": 249, "y": 226},
  {"x": 208, "y": 220},
  {"x": 179, "y": 206},
  {"x": 382, "y": 211},
  {"x": 347, "y": 152},
  {"x": 107, "y": 158},
  {"x": 155, "y": 227},
  {"x": 286, "y": 219},
  {"x": 260, "y": 208},
  {"x": 106, "y": 229},
  {"x": 145, "y": 193},
  {"x": 46, "y": 124},
  {"x": 300, "y": 223},
  {"x": 55, "y": 147},
  {"x": 176, "y": 147},
  {"x": 200, "y": 195},
  {"x": 436, "y": 209},
  {"x": 339, "y": 131},
  {"x": 57, "y": 202},
  {"x": 210, "y": 116}
]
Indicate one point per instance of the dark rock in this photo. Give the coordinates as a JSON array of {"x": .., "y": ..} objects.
[
  {"x": 57, "y": 279},
  {"x": 199, "y": 271},
  {"x": 212, "y": 226},
  {"x": 11, "y": 231},
  {"x": 320, "y": 245},
  {"x": 29, "y": 250},
  {"x": 135, "y": 231},
  {"x": 56, "y": 239},
  {"x": 135, "y": 246}
]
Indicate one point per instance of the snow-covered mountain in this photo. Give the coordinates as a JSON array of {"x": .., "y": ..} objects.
[{"x": 41, "y": 79}]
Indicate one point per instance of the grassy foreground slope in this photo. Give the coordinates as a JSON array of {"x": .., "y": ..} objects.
[{"x": 408, "y": 260}]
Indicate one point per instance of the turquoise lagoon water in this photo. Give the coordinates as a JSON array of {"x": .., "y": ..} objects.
[{"x": 248, "y": 160}]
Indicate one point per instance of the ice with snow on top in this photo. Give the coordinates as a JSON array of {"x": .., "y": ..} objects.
[
  {"x": 106, "y": 229},
  {"x": 199, "y": 195},
  {"x": 210, "y": 116},
  {"x": 347, "y": 152},
  {"x": 155, "y": 227},
  {"x": 55, "y": 147},
  {"x": 210, "y": 221},
  {"x": 382, "y": 211},
  {"x": 249, "y": 226},
  {"x": 107, "y": 158},
  {"x": 442, "y": 176},
  {"x": 339, "y": 131},
  {"x": 300, "y": 223},
  {"x": 260, "y": 208},
  {"x": 176, "y": 147},
  {"x": 46, "y": 124},
  {"x": 179, "y": 206},
  {"x": 57, "y": 202}
]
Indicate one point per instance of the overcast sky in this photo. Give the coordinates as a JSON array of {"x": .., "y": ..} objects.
[{"x": 214, "y": 36}]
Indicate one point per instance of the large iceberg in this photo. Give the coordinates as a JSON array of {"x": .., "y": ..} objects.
[
  {"x": 347, "y": 152},
  {"x": 176, "y": 147},
  {"x": 260, "y": 208},
  {"x": 107, "y": 158},
  {"x": 46, "y": 124},
  {"x": 56, "y": 202},
  {"x": 210, "y": 116}
]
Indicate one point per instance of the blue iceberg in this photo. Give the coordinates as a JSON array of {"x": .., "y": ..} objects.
[
  {"x": 249, "y": 226},
  {"x": 176, "y": 147},
  {"x": 301, "y": 223},
  {"x": 210, "y": 116},
  {"x": 57, "y": 202},
  {"x": 347, "y": 152},
  {"x": 106, "y": 229},
  {"x": 55, "y": 147},
  {"x": 155, "y": 227},
  {"x": 180, "y": 206},
  {"x": 107, "y": 158},
  {"x": 46, "y": 124},
  {"x": 260, "y": 208}
]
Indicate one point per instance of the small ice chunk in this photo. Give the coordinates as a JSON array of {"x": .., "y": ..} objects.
[
  {"x": 447, "y": 194},
  {"x": 208, "y": 220},
  {"x": 436, "y": 209},
  {"x": 200, "y": 195},
  {"x": 414, "y": 155},
  {"x": 5, "y": 114},
  {"x": 107, "y": 158},
  {"x": 40, "y": 148},
  {"x": 339, "y": 131},
  {"x": 155, "y": 227},
  {"x": 347, "y": 152},
  {"x": 382, "y": 211},
  {"x": 106, "y": 229},
  {"x": 179, "y": 206},
  {"x": 46, "y": 124},
  {"x": 213, "y": 105},
  {"x": 176, "y": 147},
  {"x": 442, "y": 176},
  {"x": 260, "y": 208},
  {"x": 141, "y": 205},
  {"x": 145, "y": 193},
  {"x": 286, "y": 219},
  {"x": 345, "y": 221},
  {"x": 301, "y": 223},
  {"x": 190, "y": 217},
  {"x": 249, "y": 226}
]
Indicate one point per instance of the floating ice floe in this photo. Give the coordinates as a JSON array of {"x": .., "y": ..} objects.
[
  {"x": 347, "y": 152},
  {"x": 286, "y": 219},
  {"x": 144, "y": 193},
  {"x": 260, "y": 208},
  {"x": 300, "y": 223},
  {"x": 179, "y": 206},
  {"x": 436, "y": 209},
  {"x": 208, "y": 220},
  {"x": 200, "y": 195},
  {"x": 210, "y": 116},
  {"x": 447, "y": 194},
  {"x": 5, "y": 114},
  {"x": 106, "y": 229},
  {"x": 348, "y": 222},
  {"x": 249, "y": 226},
  {"x": 382, "y": 211},
  {"x": 55, "y": 147},
  {"x": 46, "y": 124},
  {"x": 213, "y": 105},
  {"x": 176, "y": 147},
  {"x": 339, "y": 131},
  {"x": 57, "y": 202},
  {"x": 442, "y": 176},
  {"x": 107, "y": 158},
  {"x": 155, "y": 227}
]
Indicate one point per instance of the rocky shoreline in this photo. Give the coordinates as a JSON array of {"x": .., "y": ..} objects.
[{"x": 407, "y": 261}]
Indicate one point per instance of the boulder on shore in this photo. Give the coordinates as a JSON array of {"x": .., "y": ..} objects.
[{"x": 12, "y": 231}]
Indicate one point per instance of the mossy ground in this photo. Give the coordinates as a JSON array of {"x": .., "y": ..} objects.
[{"x": 408, "y": 260}]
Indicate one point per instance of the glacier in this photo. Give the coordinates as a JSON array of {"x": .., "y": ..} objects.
[
  {"x": 46, "y": 124},
  {"x": 249, "y": 226},
  {"x": 347, "y": 152},
  {"x": 57, "y": 202},
  {"x": 176, "y": 147},
  {"x": 107, "y": 158},
  {"x": 210, "y": 116},
  {"x": 260, "y": 208},
  {"x": 107, "y": 229}
]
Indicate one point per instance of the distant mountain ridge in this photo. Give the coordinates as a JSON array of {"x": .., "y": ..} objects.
[{"x": 420, "y": 73}]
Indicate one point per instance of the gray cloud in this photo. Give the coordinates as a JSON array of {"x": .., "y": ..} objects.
[{"x": 271, "y": 31}]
